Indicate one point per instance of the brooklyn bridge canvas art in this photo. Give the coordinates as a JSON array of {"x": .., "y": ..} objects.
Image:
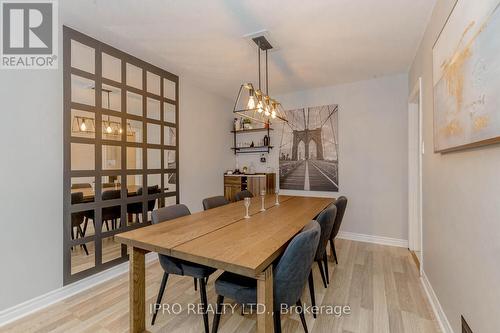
[{"x": 308, "y": 155}]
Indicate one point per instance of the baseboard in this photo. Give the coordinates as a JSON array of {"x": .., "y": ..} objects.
[
  {"x": 38, "y": 303},
  {"x": 373, "y": 239},
  {"x": 441, "y": 318}
]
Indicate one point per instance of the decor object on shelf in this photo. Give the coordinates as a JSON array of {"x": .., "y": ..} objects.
[
  {"x": 308, "y": 156},
  {"x": 262, "y": 198},
  {"x": 247, "y": 205},
  {"x": 466, "y": 76},
  {"x": 266, "y": 140},
  {"x": 259, "y": 107}
]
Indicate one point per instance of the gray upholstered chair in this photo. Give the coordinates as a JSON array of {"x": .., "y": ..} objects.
[
  {"x": 111, "y": 213},
  {"x": 180, "y": 267},
  {"x": 77, "y": 220},
  {"x": 214, "y": 202},
  {"x": 325, "y": 219},
  {"x": 290, "y": 277},
  {"x": 341, "y": 204},
  {"x": 242, "y": 195}
]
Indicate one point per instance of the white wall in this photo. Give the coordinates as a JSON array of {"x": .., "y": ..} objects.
[
  {"x": 373, "y": 152},
  {"x": 461, "y": 229},
  {"x": 31, "y": 173}
]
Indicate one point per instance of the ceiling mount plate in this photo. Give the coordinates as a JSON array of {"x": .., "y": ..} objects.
[{"x": 263, "y": 42}]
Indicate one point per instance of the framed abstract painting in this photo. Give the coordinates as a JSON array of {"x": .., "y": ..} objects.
[{"x": 466, "y": 77}]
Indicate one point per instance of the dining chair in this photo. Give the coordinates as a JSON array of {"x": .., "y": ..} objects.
[
  {"x": 111, "y": 213},
  {"x": 136, "y": 207},
  {"x": 214, "y": 202},
  {"x": 325, "y": 219},
  {"x": 77, "y": 220},
  {"x": 242, "y": 195},
  {"x": 180, "y": 267},
  {"x": 290, "y": 276},
  {"x": 341, "y": 204}
]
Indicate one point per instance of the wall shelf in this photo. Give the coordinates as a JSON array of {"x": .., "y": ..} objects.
[
  {"x": 251, "y": 150},
  {"x": 252, "y": 130}
]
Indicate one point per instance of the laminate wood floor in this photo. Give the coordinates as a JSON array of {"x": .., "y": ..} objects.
[{"x": 379, "y": 283}]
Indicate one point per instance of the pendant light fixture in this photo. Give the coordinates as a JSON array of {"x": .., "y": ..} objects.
[{"x": 259, "y": 106}]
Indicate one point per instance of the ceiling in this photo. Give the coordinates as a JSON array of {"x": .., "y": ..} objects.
[{"x": 319, "y": 43}]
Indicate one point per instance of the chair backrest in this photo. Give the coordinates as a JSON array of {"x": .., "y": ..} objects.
[
  {"x": 242, "y": 195},
  {"x": 111, "y": 194},
  {"x": 213, "y": 202},
  {"x": 341, "y": 204},
  {"x": 76, "y": 198},
  {"x": 169, "y": 213},
  {"x": 76, "y": 218},
  {"x": 151, "y": 190},
  {"x": 326, "y": 219},
  {"x": 80, "y": 185},
  {"x": 292, "y": 271}
]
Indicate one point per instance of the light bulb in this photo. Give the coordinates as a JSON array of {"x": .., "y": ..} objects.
[
  {"x": 109, "y": 129},
  {"x": 267, "y": 113},
  {"x": 273, "y": 114},
  {"x": 251, "y": 103},
  {"x": 83, "y": 127},
  {"x": 120, "y": 130},
  {"x": 260, "y": 107}
]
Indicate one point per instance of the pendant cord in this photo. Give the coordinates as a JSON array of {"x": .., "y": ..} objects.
[
  {"x": 258, "y": 55},
  {"x": 267, "y": 80}
]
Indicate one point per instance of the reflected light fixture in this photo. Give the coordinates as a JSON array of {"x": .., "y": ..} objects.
[{"x": 259, "y": 107}]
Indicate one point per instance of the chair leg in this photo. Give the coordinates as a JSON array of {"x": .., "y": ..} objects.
[
  {"x": 204, "y": 302},
  {"x": 80, "y": 231},
  {"x": 107, "y": 225},
  {"x": 301, "y": 314},
  {"x": 160, "y": 296},
  {"x": 218, "y": 313},
  {"x": 195, "y": 284},
  {"x": 332, "y": 245},
  {"x": 325, "y": 261},
  {"x": 311, "y": 291},
  {"x": 86, "y": 222},
  {"x": 277, "y": 321},
  {"x": 320, "y": 265}
]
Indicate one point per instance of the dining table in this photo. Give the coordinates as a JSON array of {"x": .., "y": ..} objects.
[
  {"x": 89, "y": 193},
  {"x": 224, "y": 239}
]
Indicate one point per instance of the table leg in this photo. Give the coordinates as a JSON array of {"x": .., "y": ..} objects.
[
  {"x": 137, "y": 290},
  {"x": 265, "y": 297}
]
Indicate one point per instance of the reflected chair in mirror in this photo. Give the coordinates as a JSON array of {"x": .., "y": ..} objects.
[
  {"x": 77, "y": 220},
  {"x": 341, "y": 204},
  {"x": 176, "y": 266},
  {"x": 88, "y": 214},
  {"x": 325, "y": 219},
  {"x": 290, "y": 276},
  {"x": 242, "y": 195},
  {"x": 136, "y": 207},
  {"x": 214, "y": 202},
  {"x": 113, "y": 213}
]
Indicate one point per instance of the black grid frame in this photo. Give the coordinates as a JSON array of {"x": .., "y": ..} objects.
[{"x": 98, "y": 142}]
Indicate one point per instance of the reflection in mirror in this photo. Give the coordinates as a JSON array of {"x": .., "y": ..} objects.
[
  {"x": 85, "y": 185},
  {"x": 169, "y": 136},
  {"x": 169, "y": 112},
  {"x": 82, "y": 156},
  {"x": 82, "y": 124},
  {"x": 134, "y": 76},
  {"x": 111, "y": 250},
  {"x": 134, "y": 104},
  {"x": 170, "y": 181},
  {"x": 134, "y": 183},
  {"x": 111, "y": 128},
  {"x": 153, "y": 108},
  {"x": 154, "y": 187},
  {"x": 134, "y": 158},
  {"x": 111, "y": 216},
  {"x": 82, "y": 257},
  {"x": 169, "y": 89},
  {"x": 153, "y": 83},
  {"x": 82, "y": 57},
  {"x": 154, "y": 134},
  {"x": 111, "y": 68},
  {"x": 110, "y": 183},
  {"x": 169, "y": 201},
  {"x": 111, "y": 157},
  {"x": 134, "y": 210},
  {"x": 82, "y": 90},
  {"x": 111, "y": 98},
  {"x": 169, "y": 159},
  {"x": 154, "y": 158},
  {"x": 134, "y": 131}
]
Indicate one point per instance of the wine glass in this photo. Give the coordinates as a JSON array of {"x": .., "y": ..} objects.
[
  {"x": 247, "y": 205},
  {"x": 262, "y": 196},
  {"x": 277, "y": 203}
]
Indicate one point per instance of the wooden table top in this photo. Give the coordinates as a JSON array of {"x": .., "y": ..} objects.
[
  {"x": 223, "y": 239},
  {"x": 88, "y": 192}
]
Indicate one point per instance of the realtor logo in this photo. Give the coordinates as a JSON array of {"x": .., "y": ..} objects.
[{"x": 29, "y": 34}]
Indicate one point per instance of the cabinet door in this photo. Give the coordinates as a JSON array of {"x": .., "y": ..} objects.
[
  {"x": 256, "y": 184},
  {"x": 230, "y": 191}
]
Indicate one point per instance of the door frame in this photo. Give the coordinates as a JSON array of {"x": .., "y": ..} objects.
[{"x": 415, "y": 152}]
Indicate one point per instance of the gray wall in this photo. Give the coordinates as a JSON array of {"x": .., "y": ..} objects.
[
  {"x": 461, "y": 211},
  {"x": 373, "y": 169},
  {"x": 31, "y": 169}
]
